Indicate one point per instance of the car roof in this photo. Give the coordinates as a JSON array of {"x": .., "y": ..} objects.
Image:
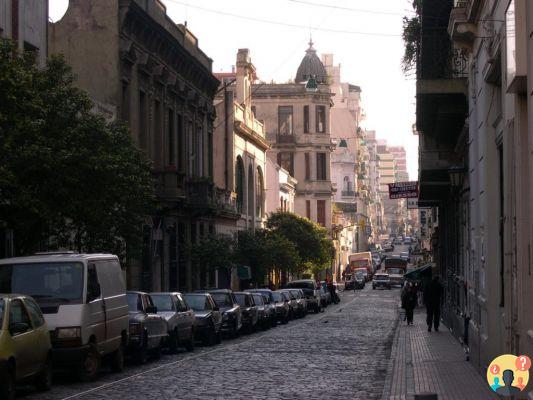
[
  {"x": 196, "y": 294},
  {"x": 57, "y": 257},
  {"x": 259, "y": 290},
  {"x": 135, "y": 292},
  {"x": 219, "y": 291},
  {"x": 241, "y": 293},
  {"x": 302, "y": 280},
  {"x": 161, "y": 293},
  {"x": 12, "y": 295}
]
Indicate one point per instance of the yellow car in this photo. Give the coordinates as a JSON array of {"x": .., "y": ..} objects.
[{"x": 24, "y": 345}]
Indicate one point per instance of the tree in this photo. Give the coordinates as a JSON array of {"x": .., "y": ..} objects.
[
  {"x": 311, "y": 241},
  {"x": 411, "y": 37},
  {"x": 214, "y": 251},
  {"x": 68, "y": 177}
]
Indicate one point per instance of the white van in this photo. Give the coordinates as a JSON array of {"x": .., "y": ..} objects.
[{"x": 83, "y": 299}]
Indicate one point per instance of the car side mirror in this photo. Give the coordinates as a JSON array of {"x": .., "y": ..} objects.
[
  {"x": 16, "y": 328},
  {"x": 151, "y": 310}
]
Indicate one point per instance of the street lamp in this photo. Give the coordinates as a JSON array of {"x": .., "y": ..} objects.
[{"x": 457, "y": 174}]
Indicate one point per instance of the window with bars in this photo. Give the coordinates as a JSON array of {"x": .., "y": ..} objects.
[
  {"x": 321, "y": 212},
  {"x": 285, "y": 120},
  {"x": 320, "y": 119},
  {"x": 321, "y": 173}
]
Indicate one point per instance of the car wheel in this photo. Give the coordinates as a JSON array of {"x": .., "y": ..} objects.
[
  {"x": 234, "y": 330},
  {"x": 218, "y": 337},
  {"x": 43, "y": 380},
  {"x": 157, "y": 351},
  {"x": 117, "y": 360},
  {"x": 90, "y": 366},
  {"x": 7, "y": 386},
  {"x": 141, "y": 354},
  {"x": 373, "y": 288},
  {"x": 189, "y": 345},
  {"x": 173, "y": 341}
]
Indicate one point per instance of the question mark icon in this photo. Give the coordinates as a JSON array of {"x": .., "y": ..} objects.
[
  {"x": 495, "y": 369},
  {"x": 523, "y": 363}
]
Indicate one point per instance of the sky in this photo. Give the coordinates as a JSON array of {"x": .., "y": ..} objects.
[{"x": 364, "y": 36}]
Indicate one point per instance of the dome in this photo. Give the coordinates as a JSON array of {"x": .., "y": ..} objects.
[{"x": 311, "y": 66}]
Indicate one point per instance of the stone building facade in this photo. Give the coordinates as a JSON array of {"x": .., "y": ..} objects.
[
  {"x": 297, "y": 120},
  {"x": 139, "y": 66}
]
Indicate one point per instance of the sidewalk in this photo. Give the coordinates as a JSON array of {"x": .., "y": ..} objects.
[{"x": 424, "y": 362}]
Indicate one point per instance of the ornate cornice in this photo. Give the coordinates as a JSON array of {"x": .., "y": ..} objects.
[{"x": 251, "y": 135}]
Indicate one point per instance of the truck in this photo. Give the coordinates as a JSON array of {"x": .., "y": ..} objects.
[
  {"x": 361, "y": 260},
  {"x": 396, "y": 267}
]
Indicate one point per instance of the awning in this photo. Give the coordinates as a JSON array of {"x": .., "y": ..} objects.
[{"x": 419, "y": 273}]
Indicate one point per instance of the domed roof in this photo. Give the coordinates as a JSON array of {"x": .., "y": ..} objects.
[{"x": 311, "y": 66}]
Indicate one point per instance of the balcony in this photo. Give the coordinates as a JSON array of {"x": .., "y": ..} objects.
[
  {"x": 460, "y": 29},
  {"x": 348, "y": 193},
  {"x": 201, "y": 194},
  {"x": 169, "y": 184},
  {"x": 285, "y": 139},
  {"x": 226, "y": 203}
]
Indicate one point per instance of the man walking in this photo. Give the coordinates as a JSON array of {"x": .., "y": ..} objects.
[{"x": 432, "y": 295}]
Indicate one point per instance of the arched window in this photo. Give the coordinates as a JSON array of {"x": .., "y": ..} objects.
[
  {"x": 346, "y": 184},
  {"x": 250, "y": 191},
  {"x": 239, "y": 183},
  {"x": 281, "y": 203},
  {"x": 259, "y": 189}
]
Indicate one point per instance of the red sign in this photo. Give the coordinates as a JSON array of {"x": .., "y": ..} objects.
[{"x": 403, "y": 190}]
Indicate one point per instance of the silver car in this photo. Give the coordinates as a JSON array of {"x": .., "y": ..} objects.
[
  {"x": 180, "y": 319},
  {"x": 301, "y": 301}
]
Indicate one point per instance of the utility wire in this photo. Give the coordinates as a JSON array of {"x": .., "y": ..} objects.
[
  {"x": 266, "y": 21},
  {"x": 359, "y": 10}
]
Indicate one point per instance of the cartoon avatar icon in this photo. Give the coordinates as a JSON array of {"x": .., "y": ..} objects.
[
  {"x": 496, "y": 383},
  {"x": 508, "y": 390},
  {"x": 520, "y": 385}
]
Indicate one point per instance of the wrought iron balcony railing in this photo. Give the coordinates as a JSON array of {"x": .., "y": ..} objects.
[
  {"x": 285, "y": 139},
  {"x": 438, "y": 60},
  {"x": 348, "y": 193},
  {"x": 461, "y": 3}
]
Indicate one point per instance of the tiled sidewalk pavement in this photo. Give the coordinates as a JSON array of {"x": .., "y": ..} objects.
[{"x": 424, "y": 362}]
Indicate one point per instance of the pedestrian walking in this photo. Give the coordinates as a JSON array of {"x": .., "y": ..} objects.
[
  {"x": 432, "y": 295},
  {"x": 409, "y": 302}
]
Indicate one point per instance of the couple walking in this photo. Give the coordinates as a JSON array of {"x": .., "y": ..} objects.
[{"x": 432, "y": 295}]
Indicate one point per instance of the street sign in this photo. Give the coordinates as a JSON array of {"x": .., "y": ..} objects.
[
  {"x": 403, "y": 190},
  {"x": 412, "y": 204}
]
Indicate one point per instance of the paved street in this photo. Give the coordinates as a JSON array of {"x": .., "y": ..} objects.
[{"x": 343, "y": 352}]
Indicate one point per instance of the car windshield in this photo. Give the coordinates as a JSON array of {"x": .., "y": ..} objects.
[
  {"x": 134, "y": 302},
  {"x": 395, "y": 271},
  {"x": 59, "y": 282},
  {"x": 163, "y": 302},
  {"x": 242, "y": 299},
  {"x": 2, "y": 307},
  {"x": 222, "y": 299},
  {"x": 301, "y": 285},
  {"x": 258, "y": 298},
  {"x": 196, "y": 302},
  {"x": 276, "y": 297}
]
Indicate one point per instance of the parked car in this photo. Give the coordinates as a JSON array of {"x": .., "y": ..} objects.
[
  {"x": 269, "y": 303},
  {"x": 148, "y": 330},
  {"x": 301, "y": 301},
  {"x": 293, "y": 303},
  {"x": 311, "y": 291},
  {"x": 83, "y": 300},
  {"x": 282, "y": 307},
  {"x": 25, "y": 348},
  {"x": 381, "y": 280},
  {"x": 208, "y": 327},
  {"x": 250, "y": 314},
  {"x": 230, "y": 309},
  {"x": 355, "y": 281},
  {"x": 363, "y": 271},
  {"x": 263, "y": 318},
  {"x": 405, "y": 255},
  {"x": 180, "y": 319}
]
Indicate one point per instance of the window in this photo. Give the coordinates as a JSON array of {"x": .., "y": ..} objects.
[
  {"x": 250, "y": 191},
  {"x": 321, "y": 212},
  {"x": 253, "y": 111},
  {"x": 321, "y": 166},
  {"x": 308, "y": 209},
  {"x": 181, "y": 144},
  {"x": 239, "y": 183},
  {"x": 259, "y": 193},
  {"x": 307, "y": 167},
  {"x": 18, "y": 314},
  {"x": 281, "y": 203},
  {"x": 163, "y": 302},
  {"x": 143, "y": 139},
  {"x": 285, "y": 120},
  {"x": 285, "y": 161},
  {"x": 320, "y": 119},
  {"x": 157, "y": 133},
  {"x": 306, "y": 119},
  {"x": 170, "y": 138},
  {"x": 199, "y": 150}
]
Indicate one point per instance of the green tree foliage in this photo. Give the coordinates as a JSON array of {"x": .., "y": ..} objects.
[
  {"x": 214, "y": 251},
  {"x": 411, "y": 37},
  {"x": 312, "y": 241},
  {"x": 66, "y": 174}
]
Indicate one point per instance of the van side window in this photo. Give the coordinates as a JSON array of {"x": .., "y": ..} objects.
[{"x": 93, "y": 288}]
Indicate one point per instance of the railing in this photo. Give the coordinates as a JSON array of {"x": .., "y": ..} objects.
[
  {"x": 461, "y": 3},
  {"x": 200, "y": 193},
  {"x": 438, "y": 60},
  {"x": 348, "y": 193},
  {"x": 285, "y": 139},
  {"x": 226, "y": 201}
]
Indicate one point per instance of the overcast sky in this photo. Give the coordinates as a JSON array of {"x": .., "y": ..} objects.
[{"x": 364, "y": 37}]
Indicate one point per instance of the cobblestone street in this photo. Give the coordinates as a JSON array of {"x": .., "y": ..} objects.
[{"x": 343, "y": 352}]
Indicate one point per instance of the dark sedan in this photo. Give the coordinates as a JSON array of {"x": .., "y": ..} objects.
[
  {"x": 249, "y": 310},
  {"x": 148, "y": 331},
  {"x": 291, "y": 301},
  {"x": 282, "y": 307},
  {"x": 301, "y": 311},
  {"x": 263, "y": 317},
  {"x": 270, "y": 304},
  {"x": 208, "y": 318},
  {"x": 230, "y": 309}
]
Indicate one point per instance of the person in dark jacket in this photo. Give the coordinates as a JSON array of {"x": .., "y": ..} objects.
[
  {"x": 432, "y": 295},
  {"x": 409, "y": 302}
]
